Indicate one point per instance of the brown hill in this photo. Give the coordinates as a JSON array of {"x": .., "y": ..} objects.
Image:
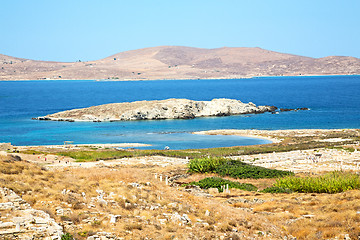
[{"x": 174, "y": 62}]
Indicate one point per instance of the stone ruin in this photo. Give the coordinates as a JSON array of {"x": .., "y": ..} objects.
[
  {"x": 6, "y": 147},
  {"x": 20, "y": 221}
]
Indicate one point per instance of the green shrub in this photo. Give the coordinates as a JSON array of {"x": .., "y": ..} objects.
[
  {"x": 205, "y": 165},
  {"x": 67, "y": 236},
  {"x": 276, "y": 190},
  {"x": 237, "y": 169},
  {"x": 333, "y": 182},
  {"x": 216, "y": 182},
  {"x": 349, "y": 149},
  {"x": 233, "y": 168}
]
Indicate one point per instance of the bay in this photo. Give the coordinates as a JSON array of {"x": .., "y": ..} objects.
[{"x": 333, "y": 100}]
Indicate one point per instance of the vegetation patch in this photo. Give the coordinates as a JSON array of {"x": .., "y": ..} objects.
[
  {"x": 216, "y": 182},
  {"x": 205, "y": 165},
  {"x": 233, "y": 168},
  {"x": 67, "y": 236},
  {"x": 348, "y": 149},
  {"x": 289, "y": 144},
  {"x": 84, "y": 156},
  {"x": 334, "y": 182},
  {"x": 108, "y": 154},
  {"x": 237, "y": 169}
]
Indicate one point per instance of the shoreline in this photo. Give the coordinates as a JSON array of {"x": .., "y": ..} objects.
[
  {"x": 237, "y": 132},
  {"x": 136, "y": 145},
  {"x": 182, "y": 79},
  {"x": 97, "y": 145},
  {"x": 274, "y": 136}
]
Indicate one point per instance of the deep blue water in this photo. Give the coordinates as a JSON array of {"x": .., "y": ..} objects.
[{"x": 334, "y": 102}]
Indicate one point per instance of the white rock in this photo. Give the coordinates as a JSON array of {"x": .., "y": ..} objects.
[
  {"x": 176, "y": 217},
  {"x": 162, "y": 221},
  {"x": 207, "y": 213},
  {"x": 164, "y": 109},
  {"x": 6, "y": 224},
  {"x": 186, "y": 218}
]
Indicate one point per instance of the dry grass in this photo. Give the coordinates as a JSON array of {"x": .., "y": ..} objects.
[
  {"x": 330, "y": 216},
  {"x": 43, "y": 190},
  {"x": 315, "y": 216}
]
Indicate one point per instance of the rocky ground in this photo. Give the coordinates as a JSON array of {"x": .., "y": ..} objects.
[{"x": 20, "y": 221}]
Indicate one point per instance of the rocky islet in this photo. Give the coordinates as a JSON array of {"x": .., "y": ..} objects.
[{"x": 159, "y": 110}]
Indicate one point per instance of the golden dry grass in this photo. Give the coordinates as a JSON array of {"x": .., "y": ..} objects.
[
  {"x": 315, "y": 216},
  {"x": 43, "y": 190},
  {"x": 280, "y": 215}
]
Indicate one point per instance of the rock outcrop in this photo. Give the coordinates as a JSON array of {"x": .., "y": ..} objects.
[
  {"x": 21, "y": 221},
  {"x": 293, "y": 109},
  {"x": 156, "y": 110}
]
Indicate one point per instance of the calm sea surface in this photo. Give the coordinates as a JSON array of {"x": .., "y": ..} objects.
[{"x": 334, "y": 102}]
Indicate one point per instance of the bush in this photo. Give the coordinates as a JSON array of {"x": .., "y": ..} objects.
[
  {"x": 67, "y": 236},
  {"x": 233, "y": 168},
  {"x": 333, "y": 182},
  {"x": 205, "y": 165},
  {"x": 237, "y": 169},
  {"x": 216, "y": 182}
]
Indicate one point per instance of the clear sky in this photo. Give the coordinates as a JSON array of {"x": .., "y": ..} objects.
[{"x": 70, "y": 30}]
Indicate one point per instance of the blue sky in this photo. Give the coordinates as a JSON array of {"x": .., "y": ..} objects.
[{"x": 69, "y": 30}]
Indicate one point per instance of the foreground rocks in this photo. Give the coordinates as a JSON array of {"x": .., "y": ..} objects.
[
  {"x": 156, "y": 110},
  {"x": 20, "y": 221}
]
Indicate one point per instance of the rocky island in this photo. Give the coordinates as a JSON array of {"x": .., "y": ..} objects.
[{"x": 157, "y": 110}]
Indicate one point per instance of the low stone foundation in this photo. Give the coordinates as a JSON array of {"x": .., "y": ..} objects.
[{"x": 20, "y": 221}]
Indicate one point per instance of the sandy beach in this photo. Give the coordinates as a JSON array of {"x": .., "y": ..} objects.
[
  {"x": 243, "y": 133},
  {"x": 277, "y": 136}
]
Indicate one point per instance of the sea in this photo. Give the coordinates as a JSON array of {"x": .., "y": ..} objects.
[{"x": 334, "y": 102}]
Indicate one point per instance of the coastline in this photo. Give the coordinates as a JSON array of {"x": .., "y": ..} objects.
[
  {"x": 275, "y": 136},
  {"x": 90, "y": 145},
  {"x": 237, "y": 132},
  {"x": 176, "y": 79},
  {"x": 241, "y": 133}
]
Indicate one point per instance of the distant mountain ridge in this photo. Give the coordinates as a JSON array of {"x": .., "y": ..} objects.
[{"x": 176, "y": 62}]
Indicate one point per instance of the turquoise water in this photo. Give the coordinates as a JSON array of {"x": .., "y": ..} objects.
[{"x": 333, "y": 100}]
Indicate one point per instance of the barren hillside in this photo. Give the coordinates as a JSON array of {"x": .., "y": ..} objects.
[{"x": 174, "y": 62}]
